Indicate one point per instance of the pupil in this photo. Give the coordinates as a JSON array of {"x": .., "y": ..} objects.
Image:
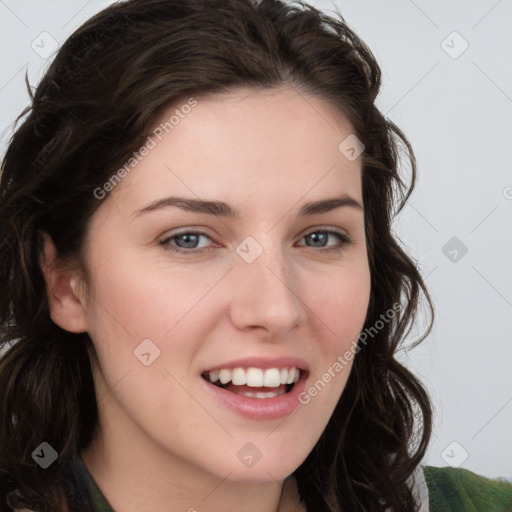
[
  {"x": 320, "y": 237},
  {"x": 190, "y": 240}
]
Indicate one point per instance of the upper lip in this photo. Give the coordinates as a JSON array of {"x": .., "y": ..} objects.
[{"x": 261, "y": 362}]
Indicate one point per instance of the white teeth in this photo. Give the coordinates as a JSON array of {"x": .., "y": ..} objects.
[
  {"x": 272, "y": 378},
  {"x": 225, "y": 376},
  {"x": 214, "y": 376},
  {"x": 239, "y": 378},
  {"x": 259, "y": 394},
  {"x": 256, "y": 377}
]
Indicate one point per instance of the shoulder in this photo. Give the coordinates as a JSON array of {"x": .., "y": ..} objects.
[{"x": 457, "y": 489}]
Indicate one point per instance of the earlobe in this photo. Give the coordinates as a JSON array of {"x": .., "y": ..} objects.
[{"x": 66, "y": 303}]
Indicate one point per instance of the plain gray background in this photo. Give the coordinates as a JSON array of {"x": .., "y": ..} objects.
[{"x": 447, "y": 83}]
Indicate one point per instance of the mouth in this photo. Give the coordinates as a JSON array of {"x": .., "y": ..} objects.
[{"x": 254, "y": 382}]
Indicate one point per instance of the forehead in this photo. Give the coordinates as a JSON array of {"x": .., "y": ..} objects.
[{"x": 247, "y": 146}]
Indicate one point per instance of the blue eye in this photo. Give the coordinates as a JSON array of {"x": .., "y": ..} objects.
[
  {"x": 188, "y": 242},
  {"x": 320, "y": 238}
]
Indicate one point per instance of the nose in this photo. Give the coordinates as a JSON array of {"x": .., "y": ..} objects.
[{"x": 265, "y": 295}]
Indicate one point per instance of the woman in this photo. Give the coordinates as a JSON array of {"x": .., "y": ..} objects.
[{"x": 202, "y": 295}]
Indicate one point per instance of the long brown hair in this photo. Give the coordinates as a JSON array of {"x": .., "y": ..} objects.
[{"x": 91, "y": 110}]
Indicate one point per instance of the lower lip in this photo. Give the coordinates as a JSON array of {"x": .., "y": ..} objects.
[{"x": 259, "y": 408}]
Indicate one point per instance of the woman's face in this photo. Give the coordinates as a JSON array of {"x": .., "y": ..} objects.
[{"x": 253, "y": 282}]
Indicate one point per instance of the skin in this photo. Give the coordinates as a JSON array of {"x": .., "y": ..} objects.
[{"x": 163, "y": 444}]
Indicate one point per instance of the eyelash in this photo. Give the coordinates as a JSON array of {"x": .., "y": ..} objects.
[{"x": 343, "y": 238}]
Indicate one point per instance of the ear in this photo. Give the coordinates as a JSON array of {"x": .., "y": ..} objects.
[{"x": 65, "y": 296}]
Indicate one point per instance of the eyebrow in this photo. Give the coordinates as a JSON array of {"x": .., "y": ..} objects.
[{"x": 225, "y": 210}]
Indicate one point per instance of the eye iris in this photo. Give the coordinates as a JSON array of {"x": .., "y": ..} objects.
[
  {"x": 318, "y": 237},
  {"x": 189, "y": 239}
]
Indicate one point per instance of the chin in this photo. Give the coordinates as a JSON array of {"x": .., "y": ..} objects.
[{"x": 267, "y": 469}]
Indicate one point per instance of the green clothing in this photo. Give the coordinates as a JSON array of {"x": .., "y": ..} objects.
[
  {"x": 449, "y": 490},
  {"x": 452, "y": 490}
]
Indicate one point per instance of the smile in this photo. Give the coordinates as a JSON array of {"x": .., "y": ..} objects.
[
  {"x": 255, "y": 392},
  {"x": 254, "y": 377}
]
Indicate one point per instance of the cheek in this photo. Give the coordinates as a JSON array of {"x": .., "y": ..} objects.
[
  {"x": 134, "y": 302},
  {"x": 341, "y": 310},
  {"x": 343, "y": 305},
  {"x": 138, "y": 301}
]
